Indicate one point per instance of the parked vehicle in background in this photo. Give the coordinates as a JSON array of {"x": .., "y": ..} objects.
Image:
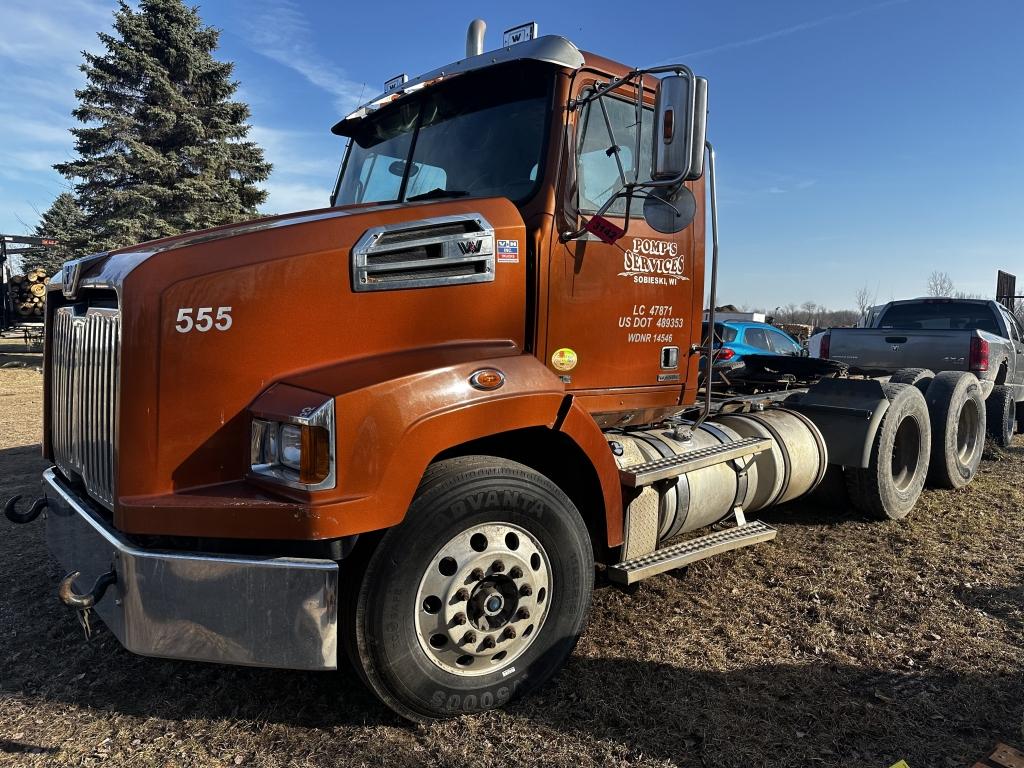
[
  {"x": 814, "y": 344},
  {"x": 734, "y": 339},
  {"x": 940, "y": 334}
]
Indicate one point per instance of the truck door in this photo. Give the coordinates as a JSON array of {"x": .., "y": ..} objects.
[{"x": 621, "y": 316}]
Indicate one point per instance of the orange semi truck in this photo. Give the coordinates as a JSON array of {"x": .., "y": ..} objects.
[{"x": 490, "y": 387}]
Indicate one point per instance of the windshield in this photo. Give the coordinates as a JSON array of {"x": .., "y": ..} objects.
[
  {"x": 481, "y": 135},
  {"x": 940, "y": 316}
]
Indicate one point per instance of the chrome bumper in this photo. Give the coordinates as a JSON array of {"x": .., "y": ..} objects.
[{"x": 267, "y": 612}]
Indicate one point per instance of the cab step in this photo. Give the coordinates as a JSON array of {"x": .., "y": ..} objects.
[
  {"x": 686, "y": 552},
  {"x": 640, "y": 475}
]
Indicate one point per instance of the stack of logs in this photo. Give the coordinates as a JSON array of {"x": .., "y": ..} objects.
[{"x": 28, "y": 292}]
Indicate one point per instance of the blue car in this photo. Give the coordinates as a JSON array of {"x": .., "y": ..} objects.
[{"x": 736, "y": 338}]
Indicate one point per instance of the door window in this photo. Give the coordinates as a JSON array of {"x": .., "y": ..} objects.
[
  {"x": 1012, "y": 325},
  {"x": 598, "y": 175},
  {"x": 757, "y": 337},
  {"x": 784, "y": 345},
  {"x": 1015, "y": 323}
]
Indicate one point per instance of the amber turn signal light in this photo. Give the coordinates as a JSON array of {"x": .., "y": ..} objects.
[
  {"x": 487, "y": 379},
  {"x": 316, "y": 455}
]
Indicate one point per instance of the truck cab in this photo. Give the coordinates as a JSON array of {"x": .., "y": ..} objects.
[{"x": 612, "y": 321}]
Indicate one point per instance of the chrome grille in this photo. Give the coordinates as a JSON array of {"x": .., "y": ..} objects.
[{"x": 85, "y": 349}]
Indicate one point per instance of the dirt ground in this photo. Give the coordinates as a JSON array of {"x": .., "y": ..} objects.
[{"x": 843, "y": 643}]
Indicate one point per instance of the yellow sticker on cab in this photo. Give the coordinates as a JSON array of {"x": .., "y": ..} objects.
[{"x": 563, "y": 359}]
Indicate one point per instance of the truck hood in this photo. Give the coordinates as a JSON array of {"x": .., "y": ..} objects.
[
  {"x": 109, "y": 269},
  {"x": 208, "y": 321}
]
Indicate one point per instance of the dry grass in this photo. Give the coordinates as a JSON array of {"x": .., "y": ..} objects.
[{"x": 845, "y": 643}]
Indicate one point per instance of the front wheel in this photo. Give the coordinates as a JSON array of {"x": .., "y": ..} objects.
[{"x": 478, "y": 596}]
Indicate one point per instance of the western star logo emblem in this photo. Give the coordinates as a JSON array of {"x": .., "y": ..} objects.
[{"x": 470, "y": 246}]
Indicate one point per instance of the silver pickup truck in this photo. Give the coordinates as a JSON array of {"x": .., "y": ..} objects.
[{"x": 934, "y": 334}]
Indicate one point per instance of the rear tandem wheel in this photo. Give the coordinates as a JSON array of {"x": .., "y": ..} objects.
[
  {"x": 1002, "y": 415},
  {"x": 890, "y": 485},
  {"x": 957, "y": 411}
]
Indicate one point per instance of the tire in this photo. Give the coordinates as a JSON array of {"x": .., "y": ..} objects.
[
  {"x": 1020, "y": 418},
  {"x": 918, "y": 377},
  {"x": 956, "y": 409},
  {"x": 421, "y": 592},
  {"x": 1002, "y": 415},
  {"x": 891, "y": 484}
]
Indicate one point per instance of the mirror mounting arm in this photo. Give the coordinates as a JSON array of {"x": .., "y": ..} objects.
[
  {"x": 626, "y": 191},
  {"x": 597, "y": 93}
]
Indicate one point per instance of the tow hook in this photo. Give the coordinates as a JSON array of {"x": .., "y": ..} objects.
[
  {"x": 28, "y": 515},
  {"x": 70, "y": 598}
]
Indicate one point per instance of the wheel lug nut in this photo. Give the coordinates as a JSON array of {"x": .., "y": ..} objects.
[
  {"x": 509, "y": 633},
  {"x": 516, "y": 572},
  {"x": 469, "y": 637},
  {"x": 461, "y": 596},
  {"x": 476, "y": 574},
  {"x": 523, "y": 614},
  {"x": 488, "y": 642},
  {"x": 497, "y": 566},
  {"x": 459, "y": 618},
  {"x": 526, "y": 590}
]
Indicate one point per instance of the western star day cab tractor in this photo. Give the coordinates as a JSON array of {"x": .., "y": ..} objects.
[{"x": 491, "y": 387}]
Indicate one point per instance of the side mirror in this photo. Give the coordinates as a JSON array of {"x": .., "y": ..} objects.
[{"x": 680, "y": 128}]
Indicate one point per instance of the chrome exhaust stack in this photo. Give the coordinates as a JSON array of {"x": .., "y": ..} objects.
[{"x": 475, "y": 37}]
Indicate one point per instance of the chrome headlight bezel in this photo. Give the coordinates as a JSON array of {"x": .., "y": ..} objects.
[{"x": 265, "y": 459}]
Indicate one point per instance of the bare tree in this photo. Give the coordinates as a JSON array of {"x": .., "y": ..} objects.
[
  {"x": 865, "y": 300},
  {"x": 810, "y": 313},
  {"x": 940, "y": 284}
]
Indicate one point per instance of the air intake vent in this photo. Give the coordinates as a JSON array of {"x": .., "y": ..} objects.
[{"x": 447, "y": 250}]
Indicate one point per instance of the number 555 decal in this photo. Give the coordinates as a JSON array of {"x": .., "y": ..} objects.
[{"x": 204, "y": 319}]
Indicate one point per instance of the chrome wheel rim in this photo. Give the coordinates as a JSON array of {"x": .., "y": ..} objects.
[{"x": 483, "y": 599}]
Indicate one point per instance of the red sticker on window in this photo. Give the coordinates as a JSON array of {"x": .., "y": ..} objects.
[{"x": 604, "y": 229}]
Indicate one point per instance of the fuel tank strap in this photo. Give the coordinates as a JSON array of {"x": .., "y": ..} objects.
[{"x": 742, "y": 478}]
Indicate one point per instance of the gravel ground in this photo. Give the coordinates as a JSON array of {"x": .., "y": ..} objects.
[{"x": 842, "y": 643}]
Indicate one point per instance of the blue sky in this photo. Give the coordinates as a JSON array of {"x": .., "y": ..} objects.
[{"x": 859, "y": 142}]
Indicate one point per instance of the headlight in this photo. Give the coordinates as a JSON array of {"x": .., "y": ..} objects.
[
  {"x": 298, "y": 452},
  {"x": 291, "y": 445}
]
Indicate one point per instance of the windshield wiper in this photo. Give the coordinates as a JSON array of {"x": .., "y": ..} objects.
[{"x": 436, "y": 193}]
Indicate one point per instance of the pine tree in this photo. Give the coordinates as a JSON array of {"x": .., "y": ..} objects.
[
  {"x": 163, "y": 148},
  {"x": 63, "y": 221}
]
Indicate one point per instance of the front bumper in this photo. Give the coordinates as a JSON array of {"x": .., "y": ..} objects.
[{"x": 267, "y": 612}]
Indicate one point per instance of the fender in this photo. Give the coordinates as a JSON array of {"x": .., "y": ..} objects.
[
  {"x": 848, "y": 413},
  {"x": 394, "y": 413},
  {"x": 581, "y": 427},
  {"x": 400, "y": 424}
]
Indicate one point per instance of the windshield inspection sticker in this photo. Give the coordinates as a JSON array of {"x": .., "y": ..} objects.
[
  {"x": 653, "y": 262},
  {"x": 508, "y": 251},
  {"x": 563, "y": 359}
]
